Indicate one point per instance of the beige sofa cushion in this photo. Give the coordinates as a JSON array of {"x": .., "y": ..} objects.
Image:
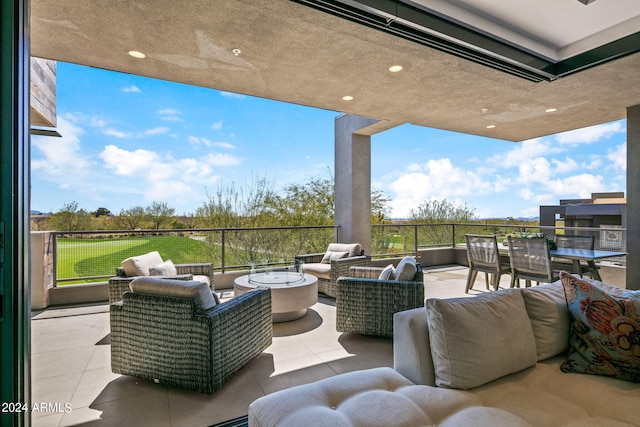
[
  {"x": 139, "y": 265},
  {"x": 540, "y": 396},
  {"x": 547, "y": 309},
  {"x": 198, "y": 291},
  {"x": 373, "y": 397},
  {"x": 318, "y": 269},
  {"x": 469, "y": 338}
]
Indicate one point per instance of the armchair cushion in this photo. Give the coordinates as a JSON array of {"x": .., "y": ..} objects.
[
  {"x": 387, "y": 273},
  {"x": 352, "y": 249},
  {"x": 166, "y": 268},
  {"x": 197, "y": 291},
  {"x": 406, "y": 269},
  {"x": 318, "y": 269},
  {"x": 139, "y": 265}
]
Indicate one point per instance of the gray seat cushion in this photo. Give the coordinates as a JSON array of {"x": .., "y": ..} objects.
[{"x": 198, "y": 291}]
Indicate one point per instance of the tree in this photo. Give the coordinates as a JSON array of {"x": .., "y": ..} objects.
[
  {"x": 311, "y": 203},
  {"x": 132, "y": 218},
  {"x": 159, "y": 213},
  {"x": 102, "y": 212},
  {"x": 440, "y": 211},
  {"x": 379, "y": 206},
  {"x": 252, "y": 206},
  {"x": 70, "y": 218}
]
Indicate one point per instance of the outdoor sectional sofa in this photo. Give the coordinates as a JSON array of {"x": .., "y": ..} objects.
[{"x": 505, "y": 358}]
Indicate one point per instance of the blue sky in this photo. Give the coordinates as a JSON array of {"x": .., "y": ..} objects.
[{"x": 129, "y": 140}]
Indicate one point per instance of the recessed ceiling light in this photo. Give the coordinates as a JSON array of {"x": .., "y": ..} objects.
[
  {"x": 347, "y": 98},
  {"x": 136, "y": 54},
  {"x": 491, "y": 126},
  {"x": 395, "y": 68},
  {"x": 236, "y": 51},
  {"x": 550, "y": 110}
]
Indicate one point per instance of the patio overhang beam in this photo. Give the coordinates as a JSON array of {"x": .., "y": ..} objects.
[{"x": 418, "y": 25}]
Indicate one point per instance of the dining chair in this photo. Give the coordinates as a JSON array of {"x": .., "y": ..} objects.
[
  {"x": 483, "y": 255},
  {"x": 530, "y": 260},
  {"x": 577, "y": 242}
]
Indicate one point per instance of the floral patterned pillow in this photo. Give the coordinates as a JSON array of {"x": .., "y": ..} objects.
[{"x": 604, "y": 338}]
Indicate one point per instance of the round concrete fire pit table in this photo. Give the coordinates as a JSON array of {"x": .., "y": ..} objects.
[{"x": 291, "y": 294}]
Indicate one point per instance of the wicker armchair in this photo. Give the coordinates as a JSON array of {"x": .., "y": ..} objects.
[
  {"x": 366, "y": 304},
  {"x": 169, "y": 340},
  {"x": 119, "y": 284},
  {"x": 334, "y": 268}
]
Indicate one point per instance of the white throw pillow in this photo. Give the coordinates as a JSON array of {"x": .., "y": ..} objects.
[
  {"x": 406, "y": 269},
  {"x": 139, "y": 265},
  {"x": 387, "y": 273},
  {"x": 166, "y": 268},
  {"x": 477, "y": 340}
]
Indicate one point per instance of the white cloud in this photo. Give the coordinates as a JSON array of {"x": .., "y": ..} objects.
[
  {"x": 522, "y": 152},
  {"x": 163, "y": 177},
  {"x": 218, "y": 159},
  {"x": 128, "y": 163},
  {"x": 168, "y": 112},
  {"x": 61, "y": 157},
  {"x": 170, "y": 115},
  {"x": 579, "y": 186},
  {"x": 591, "y": 134},
  {"x": 217, "y": 125},
  {"x": 534, "y": 170},
  {"x": 155, "y": 131},
  {"x": 194, "y": 140},
  {"x": 566, "y": 165},
  {"x": 618, "y": 156},
  {"x": 233, "y": 95},
  {"x": 224, "y": 145},
  {"x": 132, "y": 88},
  {"x": 437, "y": 179},
  {"x": 131, "y": 135}
]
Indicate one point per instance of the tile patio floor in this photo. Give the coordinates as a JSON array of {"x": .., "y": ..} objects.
[{"x": 71, "y": 351}]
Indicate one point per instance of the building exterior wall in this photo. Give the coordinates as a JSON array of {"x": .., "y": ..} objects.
[{"x": 43, "y": 93}]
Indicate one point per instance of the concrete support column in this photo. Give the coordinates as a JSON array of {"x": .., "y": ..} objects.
[
  {"x": 353, "y": 180},
  {"x": 633, "y": 197}
]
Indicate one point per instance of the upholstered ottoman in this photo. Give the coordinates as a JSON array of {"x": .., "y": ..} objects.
[{"x": 372, "y": 397}]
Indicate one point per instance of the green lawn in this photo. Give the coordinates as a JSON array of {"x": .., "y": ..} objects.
[{"x": 94, "y": 257}]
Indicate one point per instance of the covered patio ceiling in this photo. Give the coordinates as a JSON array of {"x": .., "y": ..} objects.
[{"x": 581, "y": 60}]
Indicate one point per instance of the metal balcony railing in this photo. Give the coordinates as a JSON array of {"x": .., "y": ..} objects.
[{"x": 90, "y": 256}]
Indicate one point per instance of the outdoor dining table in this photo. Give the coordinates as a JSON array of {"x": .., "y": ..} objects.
[
  {"x": 590, "y": 256},
  {"x": 575, "y": 256}
]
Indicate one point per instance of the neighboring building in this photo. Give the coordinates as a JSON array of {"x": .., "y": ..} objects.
[{"x": 603, "y": 210}]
